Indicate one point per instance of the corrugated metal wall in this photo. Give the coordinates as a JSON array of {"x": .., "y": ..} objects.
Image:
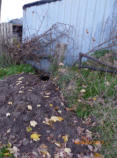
[{"x": 91, "y": 20}]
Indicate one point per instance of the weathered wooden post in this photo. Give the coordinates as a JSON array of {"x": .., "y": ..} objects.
[{"x": 0, "y": 9}]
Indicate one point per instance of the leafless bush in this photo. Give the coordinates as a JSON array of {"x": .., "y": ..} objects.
[{"x": 48, "y": 45}]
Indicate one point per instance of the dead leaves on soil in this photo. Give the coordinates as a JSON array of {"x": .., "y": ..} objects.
[
  {"x": 52, "y": 120},
  {"x": 35, "y": 136}
]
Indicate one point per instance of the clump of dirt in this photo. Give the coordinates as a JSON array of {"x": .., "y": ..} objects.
[{"x": 34, "y": 119}]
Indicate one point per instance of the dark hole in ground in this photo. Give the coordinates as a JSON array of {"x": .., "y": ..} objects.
[{"x": 44, "y": 77}]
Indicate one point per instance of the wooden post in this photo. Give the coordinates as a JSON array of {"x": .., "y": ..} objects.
[{"x": 0, "y": 9}]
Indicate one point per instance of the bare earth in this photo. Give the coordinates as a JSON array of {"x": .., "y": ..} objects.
[{"x": 25, "y": 98}]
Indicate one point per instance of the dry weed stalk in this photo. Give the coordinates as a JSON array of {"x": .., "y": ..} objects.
[{"x": 41, "y": 46}]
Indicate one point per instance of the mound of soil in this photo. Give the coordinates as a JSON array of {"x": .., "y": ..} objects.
[{"x": 34, "y": 119}]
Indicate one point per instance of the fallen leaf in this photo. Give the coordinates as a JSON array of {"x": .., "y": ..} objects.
[
  {"x": 88, "y": 134},
  {"x": 90, "y": 147},
  {"x": 43, "y": 150},
  {"x": 8, "y": 114},
  {"x": 29, "y": 107},
  {"x": 61, "y": 64},
  {"x": 29, "y": 90},
  {"x": 38, "y": 105},
  {"x": 46, "y": 96},
  {"x": 82, "y": 90},
  {"x": 19, "y": 79},
  {"x": 14, "y": 151},
  {"x": 20, "y": 92},
  {"x": 98, "y": 144},
  {"x": 28, "y": 129},
  {"x": 59, "y": 111},
  {"x": 51, "y": 105},
  {"x": 67, "y": 150},
  {"x": 56, "y": 118},
  {"x": 33, "y": 123},
  {"x": 58, "y": 144},
  {"x": 47, "y": 93},
  {"x": 56, "y": 108},
  {"x": 18, "y": 83},
  {"x": 77, "y": 142},
  {"x": 10, "y": 103},
  {"x": 94, "y": 99},
  {"x": 35, "y": 136},
  {"x": 21, "y": 87},
  {"x": 47, "y": 122},
  {"x": 97, "y": 155},
  {"x": 79, "y": 100},
  {"x": 9, "y": 130},
  {"x": 65, "y": 138}
]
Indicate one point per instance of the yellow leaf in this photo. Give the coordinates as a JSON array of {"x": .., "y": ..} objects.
[
  {"x": 65, "y": 138},
  {"x": 56, "y": 118},
  {"x": 51, "y": 105},
  {"x": 97, "y": 155},
  {"x": 28, "y": 129},
  {"x": 94, "y": 98},
  {"x": 35, "y": 136}
]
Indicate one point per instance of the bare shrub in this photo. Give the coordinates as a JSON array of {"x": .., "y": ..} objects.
[{"x": 48, "y": 46}]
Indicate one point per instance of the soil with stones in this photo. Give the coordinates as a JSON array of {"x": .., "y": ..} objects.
[{"x": 30, "y": 106}]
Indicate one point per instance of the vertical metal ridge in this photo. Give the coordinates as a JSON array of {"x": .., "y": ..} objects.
[{"x": 92, "y": 15}]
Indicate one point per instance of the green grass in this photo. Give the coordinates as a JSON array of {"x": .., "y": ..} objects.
[
  {"x": 97, "y": 87},
  {"x": 107, "y": 127},
  {"x": 4, "y": 152},
  {"x": 16, "y": 69},
  {"x": 100, "y": 53}
]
